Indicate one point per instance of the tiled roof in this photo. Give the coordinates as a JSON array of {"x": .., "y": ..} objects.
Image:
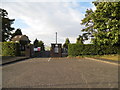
[{"x": 17, "y": 38}]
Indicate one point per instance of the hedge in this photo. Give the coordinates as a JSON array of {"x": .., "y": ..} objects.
[
  {"x": 91, "y": 49},
  {"x": 10, "y": 49}
]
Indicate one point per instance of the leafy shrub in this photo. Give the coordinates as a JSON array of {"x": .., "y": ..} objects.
[{"x": 10, "y": 49}]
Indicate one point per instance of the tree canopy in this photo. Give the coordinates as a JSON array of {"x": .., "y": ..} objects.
[
  {"x": 6, "y": 25},
  {"x": 41, "y": 44},
  {"x": 65, "y": 45},
  {"x": 38, "y": 43},
  {"x": 35, "y": 43},
  {"x": 80, "y": 39},
  {"x": 103, "y": 24},
  {"x": 17, "y": 32}
]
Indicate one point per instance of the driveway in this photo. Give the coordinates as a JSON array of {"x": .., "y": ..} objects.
[{"x": 60, "y": 73}]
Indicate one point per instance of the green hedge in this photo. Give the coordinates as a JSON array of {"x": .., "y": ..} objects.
[
  {"x": 10, "y": 49},
  {"x": 90, "y": 49}
]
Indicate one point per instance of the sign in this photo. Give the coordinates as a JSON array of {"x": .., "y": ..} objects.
[{"x": 37, "y": 49}]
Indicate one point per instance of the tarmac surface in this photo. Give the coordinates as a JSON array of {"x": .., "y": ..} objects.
[{"x": 60, "y": 73}]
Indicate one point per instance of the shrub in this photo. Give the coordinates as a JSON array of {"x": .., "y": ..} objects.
[
  {"x": 91, "y": 49},
  {"x": 10, "y": 49}
]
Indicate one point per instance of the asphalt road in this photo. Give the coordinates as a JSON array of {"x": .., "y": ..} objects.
[{"x": 60, "y": 73}]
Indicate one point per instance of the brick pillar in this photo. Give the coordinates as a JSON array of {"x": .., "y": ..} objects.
[{"x": 56, "y": 50}]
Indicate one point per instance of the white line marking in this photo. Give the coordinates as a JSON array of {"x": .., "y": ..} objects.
[
  {"x": 49, "y": 59},
  {"x": 103, "y": 61}
]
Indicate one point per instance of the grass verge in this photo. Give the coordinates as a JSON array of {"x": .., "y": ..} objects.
[
  {"x": 110, "y": 57},
  {"x": 114, "y": 57}
]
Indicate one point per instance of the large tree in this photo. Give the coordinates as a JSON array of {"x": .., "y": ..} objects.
[
  {"x": 6, "y": 25},
  {"x": 103, "y": 23},
  {"x": 65, "y": 45},
  {"x": 38, "y": 43},
  {"x": 35, "y": 43},
  {"x": 80, "y": 39},
  {"x": 17, "y": 32},
  {"x": 41, "y": 44}
]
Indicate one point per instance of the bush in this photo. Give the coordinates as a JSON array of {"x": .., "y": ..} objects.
[
  {"x": 91, "y": 49},
  {"x": 10, "y": 49}
]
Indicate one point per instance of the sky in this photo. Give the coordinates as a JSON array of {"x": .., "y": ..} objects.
[{"x": 42, "y": 18}]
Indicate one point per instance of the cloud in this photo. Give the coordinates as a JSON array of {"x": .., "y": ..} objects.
[
  {"x": 48, "y": 0},
  {"x": 44, "y": 19}
]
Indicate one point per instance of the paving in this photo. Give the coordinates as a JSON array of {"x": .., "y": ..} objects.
[
  {"x": 8, "y": 59},
  {"x": 60, "y": 73}
]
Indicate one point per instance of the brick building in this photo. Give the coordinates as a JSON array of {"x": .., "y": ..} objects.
[{"x": 56, "y": 50}]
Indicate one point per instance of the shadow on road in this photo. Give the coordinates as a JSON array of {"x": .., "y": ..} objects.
[{"x": 14, "y": 61}]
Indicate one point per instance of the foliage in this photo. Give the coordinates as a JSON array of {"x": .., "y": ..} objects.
[
  {"x": 38, "y": 43},
  {"x": 17, "y": 32},
  {"x": 35, "y": 43},
  {"x": 6, "y": 25},
  {"x": 80, "y": 39},
  {"x": 65, "y": 45},
  {"x": 91, "y": 49},
  {"x": 103, "y": 23},
  {"x": 41, "y": 44},
  {"x": 10, "y": 49}
]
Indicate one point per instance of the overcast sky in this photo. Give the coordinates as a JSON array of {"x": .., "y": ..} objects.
[{"x": 41, "y": 19}]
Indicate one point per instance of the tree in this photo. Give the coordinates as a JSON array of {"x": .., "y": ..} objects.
[
  {"x": 65, "y": 45},
  {"x": 38, "y": 43},
  {"x": 35, "y": 43},
  {"x": 103, "y": 23},
  {"x": 17, "y": 32},
  {"x": 80, "y": 39},
  {"x": 88, "y": 23},
  {"x": 41, "y": 44},
  {"x": 6, "y": 25}
]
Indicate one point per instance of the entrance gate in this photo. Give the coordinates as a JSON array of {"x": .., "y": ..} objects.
[{"x": 42, "y": 54}]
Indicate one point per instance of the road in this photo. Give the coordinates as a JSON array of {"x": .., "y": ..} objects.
[{"x": 60, "y": 73}]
